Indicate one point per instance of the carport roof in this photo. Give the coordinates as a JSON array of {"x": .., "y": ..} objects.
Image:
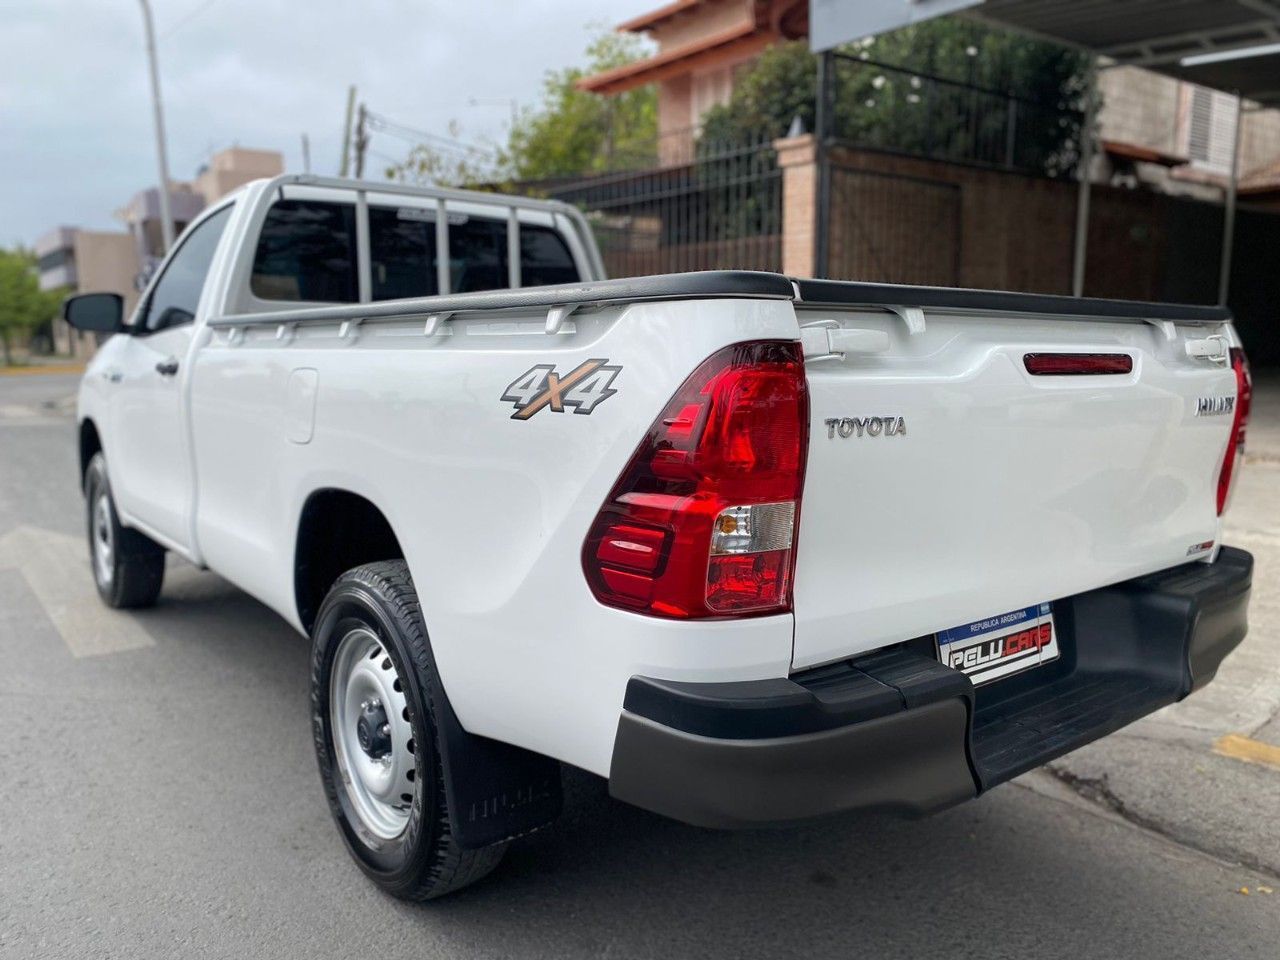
[{"x": 1161, "y": 35}]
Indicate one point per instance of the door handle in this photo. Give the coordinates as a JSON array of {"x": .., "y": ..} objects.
[
  {"x": 112, "y": 376},
  {"x": 168, "y": 367}
]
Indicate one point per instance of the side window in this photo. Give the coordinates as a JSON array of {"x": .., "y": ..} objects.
[
  {"x": 544, "y": 258},
  {"x": 175, "y": 296},
  {"x": 477, "y": 255},
  {"x": 402, "y": 245},
  {"x": 306, "y": 252}
]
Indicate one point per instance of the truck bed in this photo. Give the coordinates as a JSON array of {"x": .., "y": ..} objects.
[{"x": 751, "y": 284}]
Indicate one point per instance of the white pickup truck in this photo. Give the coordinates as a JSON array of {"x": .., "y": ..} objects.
[{"x": 755, "y": 549}]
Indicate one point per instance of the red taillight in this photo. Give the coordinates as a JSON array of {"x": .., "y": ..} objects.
[
  {"x": 1077, "y": 364},
  {"x": 1235, "y": 443},
  {"x": 702, "y": 521}
]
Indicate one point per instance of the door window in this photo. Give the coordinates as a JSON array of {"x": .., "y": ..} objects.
[{"x": 176, "y": 295}]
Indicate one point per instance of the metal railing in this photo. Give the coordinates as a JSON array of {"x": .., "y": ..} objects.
[
  {"x": 569, "y": 215},
  {"x": 720, "y": 210},
  {"x": 880, "y": 106}
]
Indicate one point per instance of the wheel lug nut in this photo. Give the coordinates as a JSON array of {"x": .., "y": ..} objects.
[
  {"x": 364, "y": 704},
  {"x": 386, "y": 730}
]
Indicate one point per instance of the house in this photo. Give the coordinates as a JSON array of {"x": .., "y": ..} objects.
[
  {"x": 1155, "y": 131},
  {"x": 702, "y": 47}
]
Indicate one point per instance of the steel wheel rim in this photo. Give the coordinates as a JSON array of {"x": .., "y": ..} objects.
[
  {"x": 104, "y": 546},
  {"x": 381, "y": 789}
]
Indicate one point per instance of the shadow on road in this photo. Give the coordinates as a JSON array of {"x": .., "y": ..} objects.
[{"x": 1011, "y": 874}]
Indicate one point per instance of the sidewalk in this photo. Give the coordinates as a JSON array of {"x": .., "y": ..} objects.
[{"x": 1204, "y": 771}]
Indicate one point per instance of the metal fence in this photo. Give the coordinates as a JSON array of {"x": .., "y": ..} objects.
[
  {"x": 890, "y": 228},
  {"x": 879, "y": 106},
  {"x": 720, "y": 210}
]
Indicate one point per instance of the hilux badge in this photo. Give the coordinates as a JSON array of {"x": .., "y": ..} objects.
[
  {"x": 865, "y": 427},
  {"x": 1215, "y": 406}
]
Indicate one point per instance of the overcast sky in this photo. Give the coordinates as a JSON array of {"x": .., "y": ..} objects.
[{"x": 76, "y": 135}]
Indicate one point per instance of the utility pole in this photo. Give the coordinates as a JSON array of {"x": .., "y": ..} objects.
[
  {"x": 306, "y": 154},
  {"x": 346, "y": 131},
  {"x": 162, "y": 156},
  {"x": 362, "y": 141},
  {"x": 1229, "y": 208},
  {"x": 1084, "y": 167}
]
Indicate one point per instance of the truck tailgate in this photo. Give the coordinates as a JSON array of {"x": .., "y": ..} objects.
[{"x": 946, "y": 483}]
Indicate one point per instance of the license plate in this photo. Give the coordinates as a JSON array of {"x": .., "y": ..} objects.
[{"x": 999, "y": 646}]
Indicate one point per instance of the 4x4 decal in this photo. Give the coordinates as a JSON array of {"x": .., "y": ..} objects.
[{"x": 583, "y": 388}]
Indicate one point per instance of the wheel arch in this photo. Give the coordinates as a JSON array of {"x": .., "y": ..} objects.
[
  {"x": 337, "y": 530},
  {"x": 90, "y": 443}
]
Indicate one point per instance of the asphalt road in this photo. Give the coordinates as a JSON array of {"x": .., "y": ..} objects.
[{"x": 158, "y": 798}]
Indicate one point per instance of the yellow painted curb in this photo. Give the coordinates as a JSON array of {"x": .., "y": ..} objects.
[
  {"x": 1250, "y": 751},
  {"x": 41, "y": 369}
]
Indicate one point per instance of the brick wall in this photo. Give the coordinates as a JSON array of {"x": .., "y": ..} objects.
[
  {"x": 892, "y": 221},
  {"x": 1017, "y": 232}
]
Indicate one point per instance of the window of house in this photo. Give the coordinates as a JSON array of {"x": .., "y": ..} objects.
[{"x": 1207, "y": 128}]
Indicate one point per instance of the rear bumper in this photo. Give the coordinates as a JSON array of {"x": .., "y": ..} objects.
[{"x": 897, "y": 730}]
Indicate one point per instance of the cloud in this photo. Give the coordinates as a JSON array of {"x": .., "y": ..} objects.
[{"x": 76, "y": 136}]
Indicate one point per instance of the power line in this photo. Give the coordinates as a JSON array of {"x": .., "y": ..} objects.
[
  {"x": 187, "y": 18},
  {"x": 406, "y": 132}
]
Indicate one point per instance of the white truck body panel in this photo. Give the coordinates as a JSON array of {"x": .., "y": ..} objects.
[
  {"x": 492, "y": 512},
  {"x": 1006, "y": 489}
]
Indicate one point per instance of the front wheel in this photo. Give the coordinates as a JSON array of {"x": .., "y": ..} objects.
[
  {"x": 376, "y": 737},
  {"x": 128, "y": 567}
]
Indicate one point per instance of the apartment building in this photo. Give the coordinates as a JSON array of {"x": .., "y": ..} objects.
[{"x": 121, "y": 261}]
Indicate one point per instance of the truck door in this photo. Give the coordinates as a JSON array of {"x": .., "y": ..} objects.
[{"x": 150, "y": 460}]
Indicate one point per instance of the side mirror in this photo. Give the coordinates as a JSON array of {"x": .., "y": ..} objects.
[{"x": 95, "y": 312}]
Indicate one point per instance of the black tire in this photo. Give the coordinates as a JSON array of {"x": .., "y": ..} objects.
[
  {"x": 130, "y": 571},
  {"x": 424, "y": 861}
]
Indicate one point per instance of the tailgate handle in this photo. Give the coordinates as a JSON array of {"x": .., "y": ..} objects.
[
  {"x": 1213, "y": 348},
  {"x": 836, "y": 342}
]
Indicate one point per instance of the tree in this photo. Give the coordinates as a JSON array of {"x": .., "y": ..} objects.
[
  {"x": 444, "y": 163},
  {"x": 780, "y": 86},
  {"x": 1027, "y": 86},
  {"x": 571, "y": 133},
  {"x": 23, "y": 305},
  {"x": 575, "y": 132}
]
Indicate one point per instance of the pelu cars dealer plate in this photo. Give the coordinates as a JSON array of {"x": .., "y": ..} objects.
[{"x": 989, "y": 649}]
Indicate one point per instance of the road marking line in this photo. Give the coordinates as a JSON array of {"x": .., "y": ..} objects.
[
  {"x": 42, "y": 369},
  {"x": 1239, "y": 747},
  {"x": 55, "y": 567}
]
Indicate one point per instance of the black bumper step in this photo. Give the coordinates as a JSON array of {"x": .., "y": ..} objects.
[
  {"x": 1127, "y": 650},
  {"x": 1018, "y": 735},
  {"x": 898, "y": 730}
]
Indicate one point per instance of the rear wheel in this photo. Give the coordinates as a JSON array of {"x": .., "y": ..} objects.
[
  {"x": 376, "y": 741},
  {"x": 128, "y": 567}
]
